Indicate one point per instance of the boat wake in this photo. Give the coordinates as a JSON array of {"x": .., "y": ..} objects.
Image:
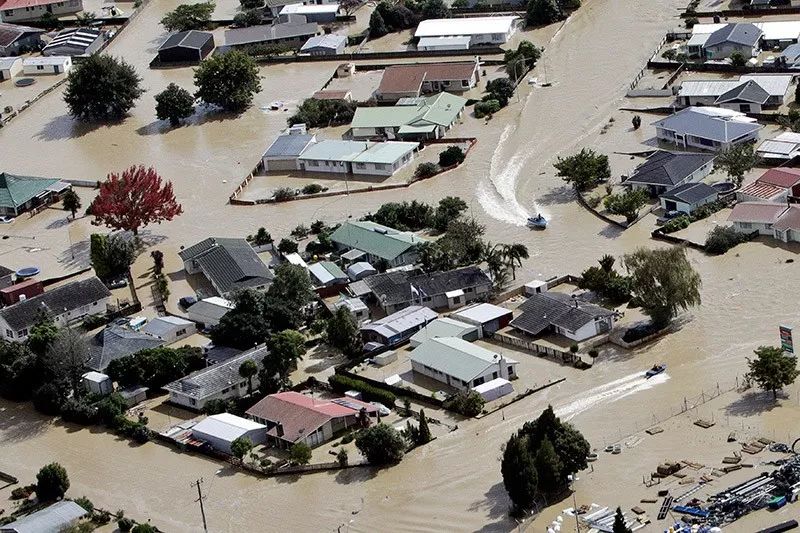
[{"x": 610, "y": 392}]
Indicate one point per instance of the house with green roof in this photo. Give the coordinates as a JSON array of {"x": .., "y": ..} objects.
[
  {"x": 23, "y": 193},
  {"x": 419, "y": 118},
  {"x": 377, "y": 243},
  {"x": 357, "y": 157}
]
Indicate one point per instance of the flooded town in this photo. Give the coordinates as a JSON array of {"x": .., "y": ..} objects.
[{"x": 399, "y": 266}]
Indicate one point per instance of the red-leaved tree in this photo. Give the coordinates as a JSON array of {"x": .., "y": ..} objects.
[{"x": 133, "y": 199}]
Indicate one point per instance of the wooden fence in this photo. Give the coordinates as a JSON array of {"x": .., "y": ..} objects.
[{"x": 534, "y": 347}]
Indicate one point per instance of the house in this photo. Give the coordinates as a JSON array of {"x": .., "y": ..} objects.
[
  {"x": 327, "y": 274},
  {"x": 356, "y": 307},
  {"x": 66, "y": 305},
  {"x": 169, "y": 329},
  {"x": 787, "y": 227},
  {"x": 10, "y": 67},
  {"x": 115, "y": 342},
  {"x": 16, "y": 39},
  {"x": 707, "y": 128},
  {"x": 688, "y": 197},
  {"x": 220, "y": 381},
  {"x": 56, "y": 517},
  {"x": 414, "y": 118},
  {"x": 23, "y": 193},
  {"x": 291, "y": 417},
  {"x": 75, "y": 42},
  {"x": 725, "y": 93},
  {"x": 282, "y": 154},
  {"x": 292, "y": 34},
  {"x": 739, "y": 37},
  {"x": 553, "y": 312},
  {"x": 357, "y": 157},
  {"x": 748, "y": 217},
  {"x": 220, "y": 430},
  {"x": 319, "y": 13},
  {"x": 324, "y": 45},
  {"x": 24, "y": 10},
  {"x": 398, "y": 327},
  {"x": 133, "y": 394},
  {"x": 410, "y": 81},
  {"x": 778, "y": 35},
  {"x": 488, "y": 317},
  {"x": 464, "y": 33},
  {"x": 186, "y": 47},
  {"x": 360, "y": 270},
  {"x": 46, "y": 65},
  {"x": 379, "y": 244},
  {"x": 331, "y": 94},
  {"x": 775, "y": 185},
  {"x": 228, "y": 264},
  {"x": 450, "y": 289},
  {"x": 663, "y": 170},
  {"x": 209, "y": 311},
  {"x": 276, "y": 6},
  {"x": 460, "y": 364},
  {"x": 445, "y": 327},
  {"x": 782, "y": 148}
]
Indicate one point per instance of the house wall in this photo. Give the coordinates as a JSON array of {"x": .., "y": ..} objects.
[
  {"x": 492, "y": 372},
  {"x": 744, "y": 107},
  {"x": 439, "y": 301},
  {"x": 700, "y": 143},
  {"x": 14, "y": 69},
  {"x": 725, "y": 50},
  {"x": 323, "y": 51},
  {"x": 235, "y": 390},
  {"x": 779, "y": 199},
  {"x": 65, "y": 7},
  {"x": 257, "y": 436},
  {"x": 31, "y": 41},
  {"x": 685, "y": 207},
  {"x": 382, "y": 169},
  {"x": 206, "y": 320},
  {"x": 283, "y": 163},
  {"x": 63, "y": 320},
  {"x": 333, "y": 167},
  {"x": 749, "y": 227},
  {"x": 60, "y": 68},
  {"x": 789, "y": 235}
]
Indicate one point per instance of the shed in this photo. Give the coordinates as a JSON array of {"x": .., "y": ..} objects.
[
  {"x": 360, "y": 270},
  {"x": 221, "y": 430},
  {"x": 319, "y": 13},
  {"x": 46, "y": 65},
  {"x": 324, "y": 45},
  {"x": 494, "y": 389},
  {"x": 133, "y": 394},
  {"x": 445, "y": 327},
  {"x": 186, "y": 47},
  {"x": 535, "y": 287},
  {"x": 170, "y": 328},
  {"x": 688, "y": 197},
  {"x": 10, "y": 67},
  {"x": 488, "y": 317},
  {"x": 209, "y": 311},
  {"x": 97, "y": 383},
  {"x": 385, "y": 358},
  {"x": 56, "y": 517}
]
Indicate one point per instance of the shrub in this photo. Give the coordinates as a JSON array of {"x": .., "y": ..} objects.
[
  {"x": 452, "y": 156},
  {"x": 86, "y": 503},
  {"x": 691, "y": 21},
  {"x": 486, "y": 108},
  {"x": 312, "y": 188},
  {"x": 723, "y": 238},
  {"x": 371, "y": 393},
  {"x": 573, "y": 348},
  {"x": 381, "y": 444},
  {"x": 93, "y": 321},
  {"x": 426, "y": 170},
  {"x": 21, "y": 493},
  {"x": 52, "y": 482},
  {"x": 300, "y": 453},
  {"x": 125, "y": 524},
  {"x": 593, "y": 353},
  {"x": 78, "y": 411},
  {"x": 287, "y": 246},
  {"x": 283, "y": 194},
  {"x": 300, "y": 232},
  {"x": 341, "y": 458},
  {"x": 676, "y": 224},
  {"x": 467, "y": 403}
]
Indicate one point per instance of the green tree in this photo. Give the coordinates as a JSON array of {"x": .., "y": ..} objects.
[
  {"x": 381, "y": 445},
  {"x": 434, "y": 9},
  {"x": 110, "y": 99},
  {"x": 627, "y": 203},
  {"x": 288, "y": 297},
  {"x": 500, "y": 89},
  {"x": 241, "y": 446},
  {"x": 341, "y": 457},
  {"x": 772, "y": 369},
  {"x": 636, "y": 122},
  {"x": 449, "y": 209},
  {"x": 300, "y": 453},
  {"x": 737, "y": 59},
  {"x": 514, "y": 254},
  {"x": 542, "y": 12},
  {"x": 549, "y": 469},
  {"x": 71, "y": 202},
  {"x": 228, "y": 81},
  {"x": 583, "y": 170},
  {"x": 451, "y": 156},
  {"x": 619, "y": 523},
  {"x": 187, "y": 17},
  {"x": 52, "y": 482},
  {"x": 261, "y": 237},
  {"x": 287, "y": 246},
  {"x": 323, "y": 113},
  {"x": 737, "y": 161},
  {"x": 245, "y": 325},
  {"x": 519, "y": 474},
  {"x": 155, "y": 367},
  {"x": 424, "y": 431},
  {"x": 247, "y": 370},
  {"x": 66, "y": 358},
  {"x": 251, "y": 17},
  {"x": 174, "y": 103},
  {"x": 341, "y": 332},
  {"x": 403, "y": 216},
  {"x": 467, "y": 403},
  {"x": 42, "y": 335},
  {"x": 722, "y": 238},
  {"x": 285, "y": 349},
  {"x": 111, "y": 256},
  {"x": 663, "y": 281},
  {"x": 377, "y": 26}
]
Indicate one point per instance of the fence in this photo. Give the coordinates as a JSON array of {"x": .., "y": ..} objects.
[
  {"x": 366, "y": 56},
  {"x": 534, "y": 347},
  {"x": 397, "y": 391},
  {"x": 641, "y": 73}
]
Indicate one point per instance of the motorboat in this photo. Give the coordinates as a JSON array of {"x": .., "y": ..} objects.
[
  {"x": 538, "y": 222},
  {"x": 656, "y": 370}
]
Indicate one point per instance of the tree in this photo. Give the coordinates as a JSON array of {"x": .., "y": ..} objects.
[
  {"x": 158, "y": 261},
  {"x": 133, "y": 199},
  {"x": 71, "y": 202},
  {"x": 449, "y": 209},
  {"x": 737, "y": 161},
  {"x": 155, "y": 367},
  {"x": 451, "y": 157},
  {"x": 500, "y": 89},
  {"x": 381, "y": 445},
  {"x": 549, "y": 469},
  {"x": 424, "y": 431},
  {"x": 627, "y": 203},
  {"x": 519, "y": 474},
  {"x": 52, "y": 482},
  {"x": 174, "y": 103},
  {"x": 300, "y": 453},
  {"x": 285, "y": 349},
  {"x": 111, "y": 256},
  {"x": 663, "y": 281},
  {"x": 288, "y": 297},
  {"x": 101, "y": 87},
  {"x": 722, "y": 238},
  {"x": 542, "y": 12},
  {"x": 583, "y": 170},
  {"x": 341, "y": 332},
  {"x": 341, "y": 457},
  {"x": 486, "y": 108},
  {"x": 261, "y": 237},
  {"x": 251, "y": 4},
  {"x": 187, "y": 17},
  {"x": 228, "y": 81},
  {"x": 247, "y": 370},
  {"x": 377, "y": 26},
  {"x": 636, "y": 122},
  {"x": 514, "y": 254},
  {"x": 737, "y": 59},
  {"x": 287, "y": 246},
  {"x": 349, "y": 6},
  {"x": 772, "y": 369},
  {"x": 467, "y": 403},
  {"x": 251, "y": 17},
  {"x": 66, "y": 358},
  {"x": 426, "y": 170},
  {"x": 403, "y": 216},
  {"x": 619, "y": 523},
  {"x": 323, "y": 113},
  {"x": 241, "y": 446},
  {"x": 245, "y": 325},
  {"x": 434, "y": 9},
  {"x": 42, "y": 335}
]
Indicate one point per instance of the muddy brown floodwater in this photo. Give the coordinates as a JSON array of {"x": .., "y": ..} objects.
[{"x": 453, "y": 484}]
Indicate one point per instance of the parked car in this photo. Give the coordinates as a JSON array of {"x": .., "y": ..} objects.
[
  {"x": 382, "y": 409},
  {"x": 117, "y": 283},
  {"x": 187, "y": 301},
  {"x": 669, "y": 215}
]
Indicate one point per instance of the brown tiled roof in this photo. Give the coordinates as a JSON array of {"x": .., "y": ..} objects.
[
  {"x": 11, "y": 32},
  {"x": 789, "y": 219},
  {"x": 781, "y": 177},
  {"x": 409, "y": 78},
  {"x": 756, "y": 212},
  {"x": 330, "y": 95}
]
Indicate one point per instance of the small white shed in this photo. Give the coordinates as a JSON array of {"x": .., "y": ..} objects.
[
  {"x": 494, "y": 389},
  {"x": 170, "y": 328},
  {"x": 10, "y": 67},
  {"x": 222, "y": 429},
  {"x": 97, "y": 383},
  {"x": 46, "y": 65},
  {"x": 535, "y": 287}
]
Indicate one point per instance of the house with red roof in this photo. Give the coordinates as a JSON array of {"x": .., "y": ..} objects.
[
  {"x": 787, "y": 228},
  {"x": 21, "y": 10},
  {"x": 748, "y": 217},
  {"x": 411, "y": 81},
  {"x": 775, "y": 185},
  {"x": 292, "y": 417}
]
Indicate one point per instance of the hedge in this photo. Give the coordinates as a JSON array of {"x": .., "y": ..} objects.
[{"x": 341, "y": 383}]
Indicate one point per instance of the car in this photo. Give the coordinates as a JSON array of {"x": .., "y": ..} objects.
[
  {"x": 669, "y": 215},
  {"x": 382, "y": 409},
  {"x": 187, "y": 301},
  {"x": 117, "y": 283},
  {"x": 6, "y": 219}
]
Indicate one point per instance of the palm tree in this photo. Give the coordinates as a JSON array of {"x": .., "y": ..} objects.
[
  {"x": 493, "y": 257},
  {"x": 607, "y": 263},
  {"x": 247, "y": 370},
  {"x": 514, "y": 254}
]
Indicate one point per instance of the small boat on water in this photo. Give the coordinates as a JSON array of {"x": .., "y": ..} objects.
[
  {"x": 537, "y": 222},
  {"x": 656, "y": 370}
]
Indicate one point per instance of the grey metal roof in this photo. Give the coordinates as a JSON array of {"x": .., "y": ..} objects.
[
  {"x": 230, "y": 264},
  {"x": 266, "y": 33},
  {"x": 115, "y": 342},
  {"x": 409, "y": 319},
  {"x": 78, "y": 39},
  {"x": 330, "y": 41},
  {"x": 288, "y": 145},
  {"x": 541, "y": 311},
  {"x": 392, "y": 288},
  {"x": 668, "y": 168},
  {"x": 208, "y": 381},
  {"x": 742, "y": 33},
  {"x": 11, "y": 32},
  {"x": 49, "y": 520},
  {"x": 164, "y": 325},
  {"x": 722, "y": 125},
  {"x": 456, "y": 357},
  {"x": 4, "y": 271},
  {"x": 57, "y": 301},
  {"x": 187, "y": 39},
  {"x": 749, "y": 91},
  {"x": 691, "y": 193}
]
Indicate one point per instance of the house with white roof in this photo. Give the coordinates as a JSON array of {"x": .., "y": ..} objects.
[
  {"x": 463, "y": 33},
  {"x": 10, "y": 67},
  {"x": 169, "y": 328},
  {"x": 488, "y": 317},
  {"x": 782, "y": 148},
  {"x": 320, "y": 14},
  {"x": 46, "y": 65},
  {"x": 460, "y": 364},
  {"x": 357, "y": 157},
  {"x": 749, "y": 93},
  {"x": 707, "y": 128}
]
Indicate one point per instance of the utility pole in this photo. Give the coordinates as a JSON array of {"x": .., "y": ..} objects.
[{"x": 200, "y": 499}]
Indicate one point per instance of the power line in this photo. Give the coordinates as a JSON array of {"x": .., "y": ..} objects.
[{"x": 200, "y": 499}]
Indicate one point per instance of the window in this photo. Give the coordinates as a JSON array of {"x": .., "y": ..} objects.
[
  {"x": 181, "y": 332},
  {"x": 380, "y": 166},
  {"x": 479, "y": 381},
  {"x": 706, "y": 142},
  {"x": 469, "y": 289},
  {"x": 745, "y": 225},
  {"x": 361, "y": 165},
  {"x": 426, "y": 299},
  {"x": 510, "y": 370},
  {"x": 23, "y": 333},
  {"x": 193, "y": 401},
  {"x": 39, "y": 67},
  {"x": 313, "y": 164},
  {"x": 465, "y": 83},
  {"x": 457, "y": 300},
  {"x": 9, "y": 334},
  {"x": 494, "y": 375}
]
